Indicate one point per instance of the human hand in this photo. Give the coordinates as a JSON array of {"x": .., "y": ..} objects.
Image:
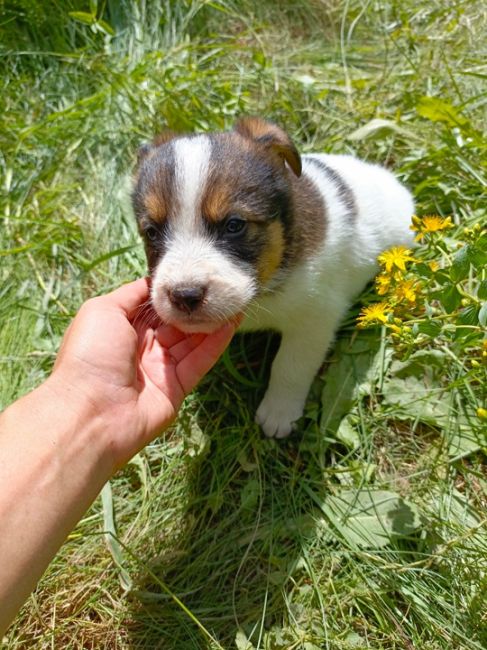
[{"x": 117, "y": 362}]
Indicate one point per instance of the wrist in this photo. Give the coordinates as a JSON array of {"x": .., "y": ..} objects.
[
  {"x": 94, "y": 421},
  {"x": 67, "y": 426}
]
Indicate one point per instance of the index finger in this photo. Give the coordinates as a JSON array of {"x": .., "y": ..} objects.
[{"x": 131, "y": 296}]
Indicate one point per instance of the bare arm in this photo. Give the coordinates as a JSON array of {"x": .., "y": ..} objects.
[{"x": 117, "y": 383}]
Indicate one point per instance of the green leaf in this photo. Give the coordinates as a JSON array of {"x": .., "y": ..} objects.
[
  {"x": 377, "y": 128},
  {"x": 483, "y": 315},
  {"x": 469, "y": 315},
  {"x": 371, "y": 518},
  {"x": 259, "y": 57},
  {"x": 430, "y": 327},
  {"x": 437, "y": 110},
  {"x": 410, "y": 389},
  {"x": 477, "y": 256},
  {"x": 279, "y": 639},
  {"x": 460, "y": 265},
  {"x": 482, "y": 290},
  {"x": 242, "y": 642},
  {"x": 198, "y": 442},
  {"x": 347, "y": 433},
  {"x": 463, "y": 441},
  {"x": 481, "y": 243},
  {"x": 413, "y": 399},
  {"x": 229, "y": 365},
  {"x": 455, "y": 507},
  {"x": 417, "y": 363},
  {"x": 246, "y": 464},
  {"x": 89, "y": 265},
  {"x": 354, "y": 640},
  {"x": 423, "y": 270},
  {"x": 105, "y": 27},
  {"x": 450, "y": 298},
  {"x": 348, "y": 368},
  {"x": 111, "y": 538},
  {"x": 83, "y": 17},
  {"x": 249, "y": 495}
]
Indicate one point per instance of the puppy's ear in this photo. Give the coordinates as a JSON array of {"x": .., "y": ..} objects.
[
  {"x": 165, "y": 136},
  {"x": 143, "y": 151},
  {"x": 273, "y": 138},
  {"x": 147, "y": 148}
]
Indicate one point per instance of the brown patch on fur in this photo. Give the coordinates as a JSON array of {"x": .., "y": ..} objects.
[
  {"x": 272, "y": 255},
  {"x": 156, "y": 207},
  {"x": 216, "y": 201},
  {"x": 308, "y": 230},
  {"x": 271, "y": 137}
]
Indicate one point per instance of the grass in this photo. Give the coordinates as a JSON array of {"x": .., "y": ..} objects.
[{"x": 366, "y": 529}]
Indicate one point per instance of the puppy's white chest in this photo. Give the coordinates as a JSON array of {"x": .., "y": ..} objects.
[{"x": 300, "y": 297}]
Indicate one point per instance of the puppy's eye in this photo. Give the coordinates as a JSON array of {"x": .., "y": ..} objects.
[
  {"x": 235, "y": 226},
  {"x": 151, "y": 233}
]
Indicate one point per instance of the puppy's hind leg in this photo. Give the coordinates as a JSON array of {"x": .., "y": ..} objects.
[{"x": 300, "y": 355}]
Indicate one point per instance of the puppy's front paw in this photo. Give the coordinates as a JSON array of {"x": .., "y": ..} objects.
[{"x": 277, "y": 416}]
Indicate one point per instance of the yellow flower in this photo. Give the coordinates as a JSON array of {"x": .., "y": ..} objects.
[
  {"x": 434, "y": 266},
  {"x": 375, "y": 313},
  {"x": 430, "y": 223},
  {"x": 406, "y": 290},
  {"x": 482, "y": 413},
  {"x": 395, "y": 257},
  {"x": 382, "y": 283}
]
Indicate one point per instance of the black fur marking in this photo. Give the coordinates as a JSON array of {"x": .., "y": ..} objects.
[
  {"x": 344, "y": 191},
  {"x": 155, "y": 249},
  {"x": 246, "y": 248}
]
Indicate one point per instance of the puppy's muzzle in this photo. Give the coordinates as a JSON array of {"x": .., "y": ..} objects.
[{"x": 187, "y": 299}]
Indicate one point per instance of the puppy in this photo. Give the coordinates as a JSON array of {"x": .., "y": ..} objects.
[{"x": 239, "y": 222}]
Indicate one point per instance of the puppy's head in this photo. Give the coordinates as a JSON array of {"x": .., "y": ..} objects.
[{"x": 214, "y": 212}]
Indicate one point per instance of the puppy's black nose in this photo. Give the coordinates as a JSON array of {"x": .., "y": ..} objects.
[{"x": 187, "y": 299}]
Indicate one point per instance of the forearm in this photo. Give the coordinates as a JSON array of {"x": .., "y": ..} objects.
[{"x": 52, "y": 466}]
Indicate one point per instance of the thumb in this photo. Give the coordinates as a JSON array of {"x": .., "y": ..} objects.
[{"x": 199, "y": 361}]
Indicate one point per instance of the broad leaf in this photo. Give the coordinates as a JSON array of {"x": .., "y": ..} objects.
[
  {"x": 371, "y": 518},
  {"x": 460, "y": 265},
  {"x": 451, "y": 298},
  {"x": 377, "y": 128},
  {"x": 411, "y": 391},
  {"x": 242, "y": 642},
  {"x": 347, "y": 369},
  {"x": 437, "y": 110},
  {"x": 430, "y": 327}
]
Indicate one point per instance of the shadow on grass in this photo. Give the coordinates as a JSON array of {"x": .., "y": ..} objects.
[{"x": 250, "y": 514}]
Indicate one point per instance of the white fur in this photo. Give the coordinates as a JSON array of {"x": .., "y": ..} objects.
[
  {"x": 192, "y": 156},
  {"x": 193, "y": 261},
  {"x": 308, "y": 309},
  {"x": 191, "y": 258}
]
